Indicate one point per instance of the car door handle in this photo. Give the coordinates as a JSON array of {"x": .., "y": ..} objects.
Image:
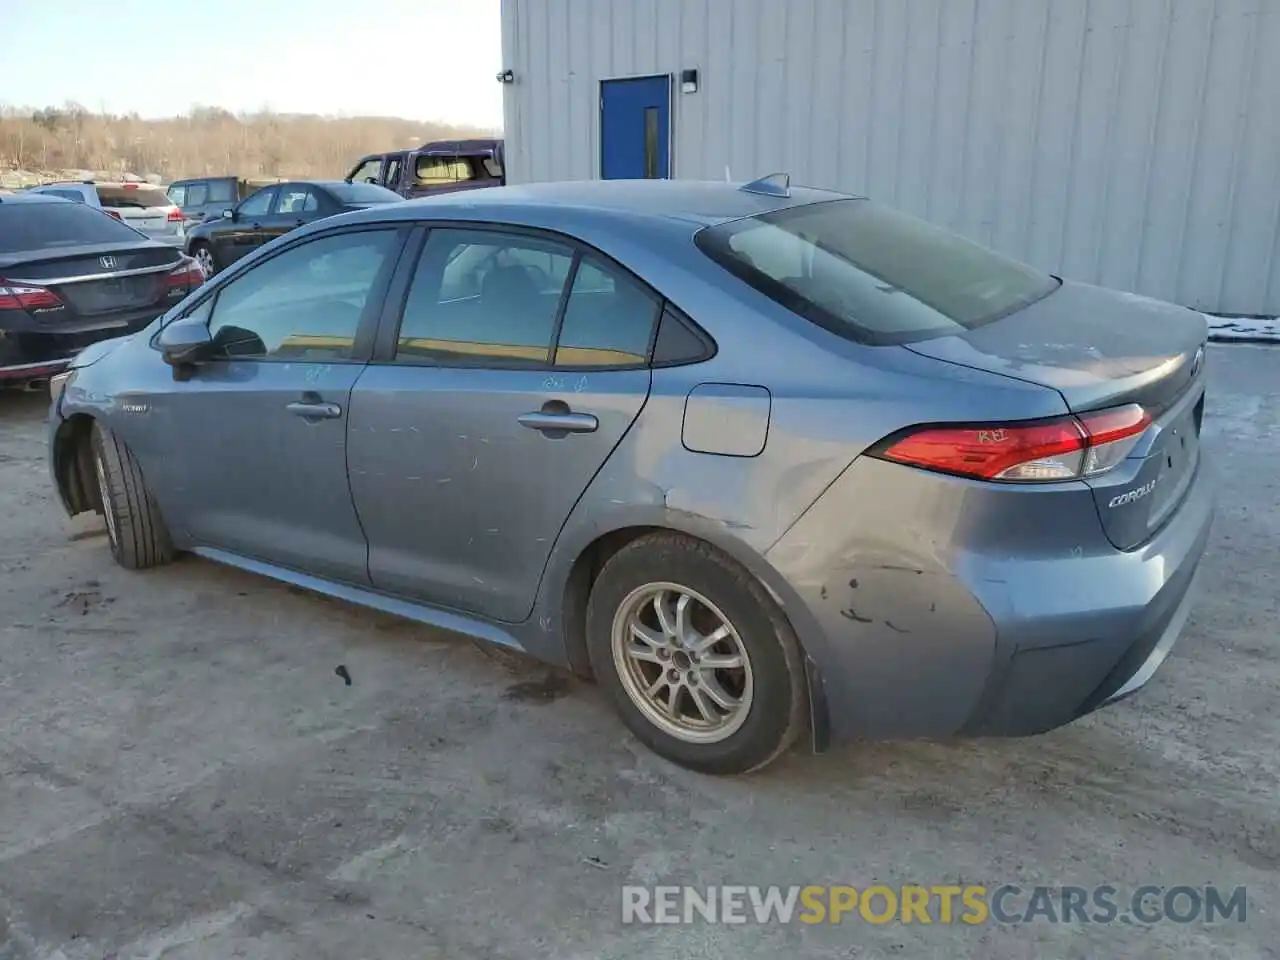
[
  {"x": 557, "y": 422},
  {"x": 314, "y": 410}
]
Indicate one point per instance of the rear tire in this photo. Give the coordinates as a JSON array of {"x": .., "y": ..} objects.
[
  {"x": 735, "y": 661},
  {"x": 136, "y": 532}
]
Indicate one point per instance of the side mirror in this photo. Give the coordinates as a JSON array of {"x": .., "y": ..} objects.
[
  {"x": 185, "y": 341},
  {"x": 228, "y": 214}
]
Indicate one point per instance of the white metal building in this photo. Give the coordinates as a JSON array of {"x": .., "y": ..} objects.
[{"x": 1132, "y": 143}]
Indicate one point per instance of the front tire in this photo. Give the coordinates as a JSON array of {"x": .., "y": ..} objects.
[
  {"x": 695, "y": 655},
  {"x": 203, "y": 255},
  {"x": 136, "y": 532}
]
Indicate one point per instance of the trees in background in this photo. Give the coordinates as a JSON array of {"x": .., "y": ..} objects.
[{"x": 207, "y": 140}]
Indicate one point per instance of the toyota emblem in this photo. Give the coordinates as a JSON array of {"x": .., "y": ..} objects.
[
  {"x": 108, "y": 263},
  {"x": 1197, "y": 362}
]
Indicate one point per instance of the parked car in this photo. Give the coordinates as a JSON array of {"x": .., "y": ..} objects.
[
  {"x": 764, "y": 461},
  {"x": 272, "y": 212},
  {"x": 70, "y": 276},
  {"x": 443, "y": 166},
  {"x": 204, "y": 197},
  {"x": 145, "y": 208}
]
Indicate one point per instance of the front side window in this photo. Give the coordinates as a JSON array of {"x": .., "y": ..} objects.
[
  {"x": 306, "y": 303},
  {"x": 198, "y": 195},
  {"x": 871, "y": 273},
  {"x": 608, "y": 319},
  {"x": 485, "y": 298},
  {"x": 259, "y": 204},
  {"x": 367, "y": 172}
]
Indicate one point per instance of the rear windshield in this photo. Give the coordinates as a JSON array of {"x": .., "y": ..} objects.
[
  {"x": 132, "y": 197},
  {"x": 42, "y": 226},
  {"x": 871, "y": 273},
  {"x": 363, "y": 193}
]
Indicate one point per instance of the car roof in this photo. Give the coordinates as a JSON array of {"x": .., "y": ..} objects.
[{"x": 701, "y": 202}]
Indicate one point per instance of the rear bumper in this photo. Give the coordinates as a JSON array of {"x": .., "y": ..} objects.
[
  {"x": 924, "y": 618},
  {"x": 33, "y": 354}
]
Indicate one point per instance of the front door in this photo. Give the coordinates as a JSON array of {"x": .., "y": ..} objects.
[
  {"x": 244, "y": 232},
  {"x": 475, "y": 432},
  {"x": 635, "y": 128},
  {"x": 255, "y": 440}
]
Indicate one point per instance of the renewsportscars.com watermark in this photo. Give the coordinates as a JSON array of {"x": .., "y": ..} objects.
[{"x": 939, "y": 903}]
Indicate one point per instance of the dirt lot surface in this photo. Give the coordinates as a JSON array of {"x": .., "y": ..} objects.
[{"x": 183, "y": 775}]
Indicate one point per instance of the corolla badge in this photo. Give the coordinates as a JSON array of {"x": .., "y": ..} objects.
[
  {"x": 1137, "y": 493},
  {"x": 108, "y": 263}
]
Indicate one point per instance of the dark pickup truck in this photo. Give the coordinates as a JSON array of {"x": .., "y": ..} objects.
[{"x": 438, "y": 167}]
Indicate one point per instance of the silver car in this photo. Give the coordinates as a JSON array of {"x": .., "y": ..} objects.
[
  {"x": 146, "y": 208},
  {"x": 768, "y": 463}
]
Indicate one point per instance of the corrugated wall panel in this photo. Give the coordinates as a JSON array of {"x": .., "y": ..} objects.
[{"x": 1134, "y": 143}]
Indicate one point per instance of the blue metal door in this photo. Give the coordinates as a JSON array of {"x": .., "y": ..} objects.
[{"x": 635, "y": 128}]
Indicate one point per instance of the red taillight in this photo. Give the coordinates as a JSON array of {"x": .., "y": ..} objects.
[
  {"x": 113, "y": 213},
  {"x": 22, "y": 296},
  {"x": 175, "y": 216},
  {"x": 186, "y": 275},
  {"x": 1065, "y": 448}
]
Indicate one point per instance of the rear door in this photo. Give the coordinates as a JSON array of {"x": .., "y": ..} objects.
[
  {"x": 474, "y": 432},
  {"x": 296, "y": 204}
]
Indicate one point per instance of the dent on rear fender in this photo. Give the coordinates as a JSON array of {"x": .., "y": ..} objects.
[{"x": 904, "y": 647}]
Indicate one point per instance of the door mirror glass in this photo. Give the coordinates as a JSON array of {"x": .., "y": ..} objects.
[
  {"x": 228, "y": 214},
  {"x": 186, "y": 340}
]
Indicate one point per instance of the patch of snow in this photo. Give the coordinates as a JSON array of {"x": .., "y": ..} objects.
[{"x": 1244, "y": 329}]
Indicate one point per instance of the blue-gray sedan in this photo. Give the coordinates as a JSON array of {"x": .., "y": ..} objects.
[{"x": 766, "y": 462}]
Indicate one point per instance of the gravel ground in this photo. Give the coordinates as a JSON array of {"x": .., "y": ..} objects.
[{"x": 182, "y": 774}]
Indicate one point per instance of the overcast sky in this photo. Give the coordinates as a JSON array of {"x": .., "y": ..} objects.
[{"x": 421, "y": 59}]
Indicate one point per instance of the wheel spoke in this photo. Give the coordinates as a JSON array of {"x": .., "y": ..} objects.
[
  {"x": 664, "y": 615},
  {"x": 700, "y": 701},
  {"x": 702, "y": 644},
  {"x": 683, "y": 633},
  {"x": 720, "y": 661},
  {"x": 723, "y": 699},
  {"x": 640, "y": 651},
  {"x": 673, "y": 699},
  {"x": 657, "y": 685},
  {"x": 647, "y": 636}
]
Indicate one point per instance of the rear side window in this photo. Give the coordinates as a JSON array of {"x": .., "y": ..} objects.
[
  {"x": 222, "y": 191},
  {"x": 177, "y": 194},
  {"x": 608, "y": 320},
  {"x": 871, "y": 273},
  {"x": 435, "y": 170},
  {"x": 45, "y": 226},
  {"x": 132, "y": 197}
]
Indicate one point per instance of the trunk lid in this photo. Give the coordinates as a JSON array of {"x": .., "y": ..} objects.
[
  {"x": 1100, "y": 348},
  {"x": 93, "y": 282}
]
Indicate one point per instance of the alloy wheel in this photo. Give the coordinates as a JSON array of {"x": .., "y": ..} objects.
[{"x": 682, "y": 663}]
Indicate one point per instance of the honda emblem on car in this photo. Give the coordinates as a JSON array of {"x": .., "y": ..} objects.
[{"x": 108, "y": 263}]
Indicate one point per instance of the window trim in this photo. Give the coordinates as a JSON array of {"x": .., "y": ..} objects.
[
  {"x": 388, "y": 335},
  {"x": 370, "y": 319}
]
